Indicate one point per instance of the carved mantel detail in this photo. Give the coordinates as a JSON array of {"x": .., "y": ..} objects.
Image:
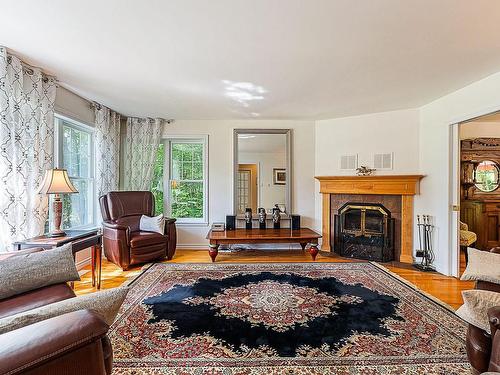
[{"x": 405, "y": 186}]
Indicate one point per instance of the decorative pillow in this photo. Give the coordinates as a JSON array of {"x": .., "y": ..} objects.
[
  {"x": 476, "y": 305},
  {"x": 482, "y": 265},
  {"x": 152, "y": 224},
  {"x": 106, "y": 303},
  {"x": 22, "y": 273}
]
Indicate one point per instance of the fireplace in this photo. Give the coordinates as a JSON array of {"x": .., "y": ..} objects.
[{"x": 364, "y": 231}]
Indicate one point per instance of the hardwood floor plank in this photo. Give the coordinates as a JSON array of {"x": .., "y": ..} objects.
[{"x": 445, "y": 288}]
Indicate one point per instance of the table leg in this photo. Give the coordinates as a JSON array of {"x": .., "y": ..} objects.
[
  {"x": 99, "y": 265},
  {"x": 314, "y": 251},
  {"x": 93, "y": 251},
  {"x": 213, "y": 251},
  {"x": 303, "y": 245}
]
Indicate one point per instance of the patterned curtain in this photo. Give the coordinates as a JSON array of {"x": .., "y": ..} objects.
[
  {"x": 141, "y": 144},
  {"x": 26, "y": 147},
  {"x": 107, "y": 149}
]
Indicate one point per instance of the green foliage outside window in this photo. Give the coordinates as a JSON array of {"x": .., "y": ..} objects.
[
  {"x": 157, "y": 184},
  {"x": 186, "y": 184},
  {"x": 186, "y": 180}
]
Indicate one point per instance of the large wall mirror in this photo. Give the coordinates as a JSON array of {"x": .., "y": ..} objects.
[{"x": 262, "y": 171}]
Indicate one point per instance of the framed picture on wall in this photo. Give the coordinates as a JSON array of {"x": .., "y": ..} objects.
[{"x": 279, "y": 176}]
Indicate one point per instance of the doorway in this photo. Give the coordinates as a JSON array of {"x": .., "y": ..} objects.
[
  {"x": 478, "y": 167},
  {"x": 247, "y": 187}
]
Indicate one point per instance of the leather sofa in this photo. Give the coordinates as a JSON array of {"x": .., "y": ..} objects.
[
  {"x": 483, "y": 349},
  {"x": 73, "y": 343},
  {"x": 124, "y": 243}
]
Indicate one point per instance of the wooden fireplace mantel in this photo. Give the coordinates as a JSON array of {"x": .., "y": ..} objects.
[{"x": 404, "y": 185}]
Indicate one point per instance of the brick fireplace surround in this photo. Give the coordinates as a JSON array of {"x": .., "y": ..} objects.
[{"x": 337, "y": 190}]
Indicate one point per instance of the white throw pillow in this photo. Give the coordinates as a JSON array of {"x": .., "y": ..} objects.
[
  {"x": 476, "y": 305},
  {"x": 106, "y": 303},
  {"x": 482, "y": 265},
  {"x": 152, "y": 224},
  {"x": 33, "y": 270}
]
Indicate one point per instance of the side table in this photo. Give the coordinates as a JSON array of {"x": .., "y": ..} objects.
[{"x": 80, "y": 240}]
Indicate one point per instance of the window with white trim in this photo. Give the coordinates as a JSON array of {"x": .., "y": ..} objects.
[
  {"x": 184, "y": 162},
  {"x": 75, "y": 153}
]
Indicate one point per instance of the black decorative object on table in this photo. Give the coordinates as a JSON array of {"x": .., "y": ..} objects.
[
  {"x": 295, "y": 222},
  {"x": 262, "y": 218},
  {"x": 248, "y": 218},
  {"x": 230, "y": 222},
  {"x": 276, "y": 217}
]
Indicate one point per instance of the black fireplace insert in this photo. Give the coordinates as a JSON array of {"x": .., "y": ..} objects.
[{"x": 364, "y": 231}]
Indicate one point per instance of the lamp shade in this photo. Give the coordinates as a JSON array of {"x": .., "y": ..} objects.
[{"x": 56, "y": 181}]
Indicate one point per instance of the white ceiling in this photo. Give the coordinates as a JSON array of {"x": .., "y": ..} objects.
[{"x": 220, "y": 59}]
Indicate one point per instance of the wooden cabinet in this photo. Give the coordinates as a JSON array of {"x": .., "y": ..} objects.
[{"x": 483, "y": 218}]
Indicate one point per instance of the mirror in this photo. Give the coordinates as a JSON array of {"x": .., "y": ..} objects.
[
  {"x": 487, "y": 175},
  {"x": 261, "y": 170}
]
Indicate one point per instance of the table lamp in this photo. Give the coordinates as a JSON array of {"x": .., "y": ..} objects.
[{"x": 57, "y": 182}]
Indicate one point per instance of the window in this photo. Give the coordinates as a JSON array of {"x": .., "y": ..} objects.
[
  {"x": 75, "y": 153},
  {"x": 184, "y": 178}
]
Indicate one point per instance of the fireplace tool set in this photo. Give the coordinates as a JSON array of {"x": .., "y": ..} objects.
[{"x": 425, "y": 230}]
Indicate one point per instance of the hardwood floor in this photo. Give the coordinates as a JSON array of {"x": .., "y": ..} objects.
[{"x": 446, "y": 289}]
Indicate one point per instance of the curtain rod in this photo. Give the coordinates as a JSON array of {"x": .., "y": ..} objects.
[
  {"x": 95, "y": 105},
  {"x": 30, "y": 70}
]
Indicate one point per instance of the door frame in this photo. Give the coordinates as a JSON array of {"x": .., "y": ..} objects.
[{"x": 454, "y": 186}]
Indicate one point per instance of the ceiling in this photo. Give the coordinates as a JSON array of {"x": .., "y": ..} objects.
[{"x": 273, "y": 59}]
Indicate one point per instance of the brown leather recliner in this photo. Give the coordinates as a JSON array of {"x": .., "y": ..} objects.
[
  {"x": 483, "y": 349},
  {"x": 73, "y": 343},
  {"x": 124, "y": 243}
]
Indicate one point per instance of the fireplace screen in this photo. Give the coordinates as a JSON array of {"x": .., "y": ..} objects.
[{"x": 364, "y": 231}]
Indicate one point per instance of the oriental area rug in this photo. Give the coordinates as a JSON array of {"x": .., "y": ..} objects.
[{"x": 290, "y": 319}]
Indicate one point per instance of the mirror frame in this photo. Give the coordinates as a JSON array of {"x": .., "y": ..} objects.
[{"x": 288, "y": 134}]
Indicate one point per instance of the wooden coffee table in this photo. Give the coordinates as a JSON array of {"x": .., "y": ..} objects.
[{"x": 302, "y": 236}]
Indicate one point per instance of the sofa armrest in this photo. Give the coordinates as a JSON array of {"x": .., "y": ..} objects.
[
  {"x": 40, "y": 343},
  {"x": 111, "y": 225},
  {"x": 169, "y": 220}
]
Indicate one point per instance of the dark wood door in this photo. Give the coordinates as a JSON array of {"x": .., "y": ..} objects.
[{"x": 492, "y": 229}]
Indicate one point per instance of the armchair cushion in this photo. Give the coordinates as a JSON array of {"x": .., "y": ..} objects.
[
  {"x": 482, "y": 265},
  {"x": 152, "y": 224},
  {"x": 140, "y": 239},
  {"x": 476, "y": 305},
  {"x": 30, "y": 271},
  {"x": 106, "y": 303}
]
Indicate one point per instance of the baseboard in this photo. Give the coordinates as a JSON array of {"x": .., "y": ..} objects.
[{"x": 193, "y": 247}]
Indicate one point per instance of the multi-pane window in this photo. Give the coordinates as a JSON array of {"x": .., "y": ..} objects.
[
  {"x": 76, "y": 155},
  {"x": 184, "y": 179}
]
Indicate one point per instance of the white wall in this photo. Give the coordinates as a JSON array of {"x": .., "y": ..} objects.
[
  {"x": 220, "y": 151},
  {"x": 479, "y": 98},
  {"x": 73, "y": 106},
  {"x": 365, "y": 135}
]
